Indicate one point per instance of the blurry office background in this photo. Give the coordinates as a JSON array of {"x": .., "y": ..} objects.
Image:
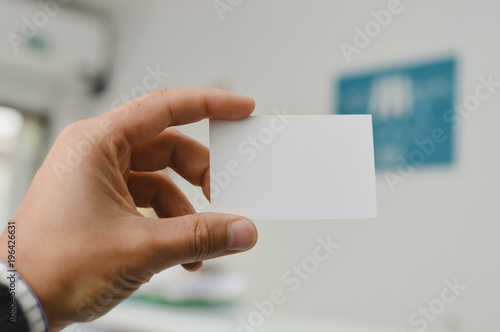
[{"x": 438, "y": 223}]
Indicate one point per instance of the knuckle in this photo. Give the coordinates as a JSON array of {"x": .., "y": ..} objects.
[
  {"x": 72, "y": 133},
  {"x": 161, "y": 180},
  {"x": 164, "y": 94},
  {"x": 157, "y": 93},
  {"x": 151, "y": 94},
  {"x": 157, "y": 184},
  {"x": 129, "y": 106},
  {"x": 123, "y": 109},
  {"x": 201, "y": 244},
  {"x": 73, "y": 128},
  {"x": 172, "y": 133}
]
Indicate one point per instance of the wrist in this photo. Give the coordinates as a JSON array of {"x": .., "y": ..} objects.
[
  {"x": 24, "y": 290},
  {"x": 23, "y": 306}
]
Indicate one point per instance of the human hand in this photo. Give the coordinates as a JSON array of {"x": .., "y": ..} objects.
[{"x": 83, "y": 246}]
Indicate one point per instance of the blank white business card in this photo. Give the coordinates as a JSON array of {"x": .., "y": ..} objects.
[{"x": 286, "y": 167}]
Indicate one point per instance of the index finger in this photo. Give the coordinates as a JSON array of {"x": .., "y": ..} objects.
[{"x": 142, "y": 119}]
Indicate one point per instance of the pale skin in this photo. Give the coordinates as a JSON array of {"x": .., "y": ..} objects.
[{"x": 82, "y": 245}]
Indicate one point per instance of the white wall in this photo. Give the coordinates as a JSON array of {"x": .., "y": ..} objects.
[{"x": 441, "y": 223}]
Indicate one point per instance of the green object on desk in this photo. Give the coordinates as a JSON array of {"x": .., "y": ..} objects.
[{"x": 158, "y": 300}]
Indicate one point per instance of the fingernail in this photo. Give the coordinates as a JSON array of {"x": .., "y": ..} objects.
[{"x": 241, "y": 235}]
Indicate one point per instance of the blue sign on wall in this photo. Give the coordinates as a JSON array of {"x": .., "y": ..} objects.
[{"x": 410, "y": 106}]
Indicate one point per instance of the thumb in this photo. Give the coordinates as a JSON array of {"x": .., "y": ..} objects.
[{"x": 197, "y": 237}]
